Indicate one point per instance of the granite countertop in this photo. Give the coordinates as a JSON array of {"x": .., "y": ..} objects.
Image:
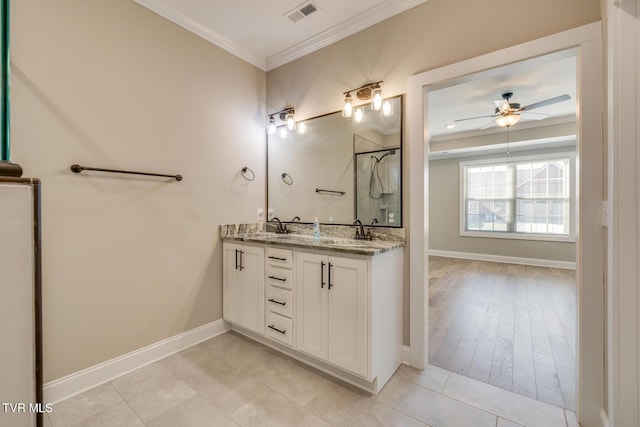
[{"x": 329, "y": 243}]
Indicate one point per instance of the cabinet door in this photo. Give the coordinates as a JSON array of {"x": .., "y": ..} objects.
[
  {"x": 252, "y": 285},
  {"x": 243, "y": 286},
  {"x": 231, "y": 293},
  {"x": 311, "y": 302},
  {"x": 347, "y": 314}
]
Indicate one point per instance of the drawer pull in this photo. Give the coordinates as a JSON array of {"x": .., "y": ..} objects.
[
  {"x": 277, "y": 302},
  {"x": 277, "y": 258},
  {"x": 283, "y": 332},
  {"x": 277, "y": 278}
]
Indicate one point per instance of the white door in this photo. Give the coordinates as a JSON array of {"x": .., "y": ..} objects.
[
  {"x": 311, "y": 301},
  {"x": 348, "y": 314}
]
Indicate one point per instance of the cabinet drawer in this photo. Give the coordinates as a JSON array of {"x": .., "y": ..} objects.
[
  {"x": 280, "y": 301},
  {"x": 279, "y": 328},
  {"x": 280, "y": 277},
  {"x": 279, "y": 257}
]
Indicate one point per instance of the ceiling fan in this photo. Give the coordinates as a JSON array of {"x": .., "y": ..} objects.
[{"x": 508, "y": 113}]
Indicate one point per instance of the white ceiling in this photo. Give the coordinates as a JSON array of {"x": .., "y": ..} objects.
[
  {"x": 530, "y": 81},
  {"x": 261, "y": 33}
]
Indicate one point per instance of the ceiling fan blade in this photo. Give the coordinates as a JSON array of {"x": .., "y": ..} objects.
[
  {"x": 472, "y": 118},
  {"x": 491, "y": 124},
  {"x": 546, "y": 102}
]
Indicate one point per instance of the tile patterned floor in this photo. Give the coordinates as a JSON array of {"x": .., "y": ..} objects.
[{"x": 232, "y": 381}]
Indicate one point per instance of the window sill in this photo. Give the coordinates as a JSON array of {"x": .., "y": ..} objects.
[{"x": 518, "y": 236}]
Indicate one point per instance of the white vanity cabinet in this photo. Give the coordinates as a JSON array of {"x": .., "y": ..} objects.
[
  {"x": 332, "y": 300},
  {"x": 279, "y": 298},
  {"x": 337, "y": 309},
  {"x": 243, "y": 286}
]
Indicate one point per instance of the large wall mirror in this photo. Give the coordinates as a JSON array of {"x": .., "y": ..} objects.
[{"x": 339, "y": 170}]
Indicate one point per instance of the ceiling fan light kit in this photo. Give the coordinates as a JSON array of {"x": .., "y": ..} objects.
[{"x": 508, "y": 120}]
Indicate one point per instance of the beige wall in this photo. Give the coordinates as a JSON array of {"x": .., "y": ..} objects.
[
  {"x": 444, "y": 214},
  {"x": 130, "y": 261},
  {"x": 431, "y": 35}
]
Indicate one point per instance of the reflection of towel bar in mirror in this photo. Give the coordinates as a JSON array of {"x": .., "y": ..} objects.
[
  {"x": 286, "y": 178},
  {"x": 319, "y": 190}
]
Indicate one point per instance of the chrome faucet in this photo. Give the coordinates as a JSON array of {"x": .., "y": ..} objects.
[
  {"x": 280, "y": 227},
  {"x": 296, "y": 219},
  {"x": 360, "y": 233}
]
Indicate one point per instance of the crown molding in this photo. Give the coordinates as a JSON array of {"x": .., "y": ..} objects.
[
  {"x": 208, "y": 34},
  {"x": 345, "y": 29},
  {"x": 351, "y": 26}
]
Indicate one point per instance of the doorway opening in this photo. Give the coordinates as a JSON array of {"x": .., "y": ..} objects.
[
  {"x": 589, "y": 272},
  {"x": 502, "y": 288}
]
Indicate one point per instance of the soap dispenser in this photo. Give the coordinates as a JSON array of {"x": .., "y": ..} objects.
[{"x": 316, "y": 228}]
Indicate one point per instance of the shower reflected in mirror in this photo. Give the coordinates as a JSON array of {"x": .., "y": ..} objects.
[{"x": 378, "y": 186}]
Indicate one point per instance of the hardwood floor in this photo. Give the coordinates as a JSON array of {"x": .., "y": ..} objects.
[{"x": 512, "y": 326}]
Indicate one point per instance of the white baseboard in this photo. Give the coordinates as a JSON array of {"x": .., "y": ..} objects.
[
  {"x": 77, "y": 382},
  {"x": 505, "y": 259}
]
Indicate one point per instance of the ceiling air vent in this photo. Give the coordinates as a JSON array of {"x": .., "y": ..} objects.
[{"x": 301, "y": 11}]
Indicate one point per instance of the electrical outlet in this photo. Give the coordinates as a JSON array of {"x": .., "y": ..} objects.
[
  {"x": 270, "y": 214},
  {"x": 260, "y": 214}
]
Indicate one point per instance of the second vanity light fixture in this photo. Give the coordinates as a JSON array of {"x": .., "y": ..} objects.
[
  {"x": 371, "y": 91},
  {"x": 287, "y": 116}
]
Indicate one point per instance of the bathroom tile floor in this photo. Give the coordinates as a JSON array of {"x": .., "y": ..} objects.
[{"x": 232, "y": 381}]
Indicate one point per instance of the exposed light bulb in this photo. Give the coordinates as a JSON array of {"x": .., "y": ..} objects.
[
  {"x": 387, "y": 108},
  {"x": 282, "y": 131},
  {"x": 291, "y": 123},
  {"x": 347, "y": 109},
  {"x": 358, "y": 115},
  {"x": 376, "y": 98},
  {"x": 272, "y": 126},
  {"x": 302, "y": 128}
]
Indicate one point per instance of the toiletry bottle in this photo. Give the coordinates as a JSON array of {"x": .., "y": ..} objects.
[{"x": 316, "y": 228}]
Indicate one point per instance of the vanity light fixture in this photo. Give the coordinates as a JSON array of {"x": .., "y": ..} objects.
[
  {"x": 347, "y": 109},
  {"x": 286, "y": 115},
  {"x": 370, "y": 91},
  {"x": 302, "y": 128},
  {"x": 376, "y": 98},
  {"x": 291, "y": 123},
  {"x": 387, "y": 108},
  {"x": 358, "y": 115},
  {"x": 272, "y": 125}
]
